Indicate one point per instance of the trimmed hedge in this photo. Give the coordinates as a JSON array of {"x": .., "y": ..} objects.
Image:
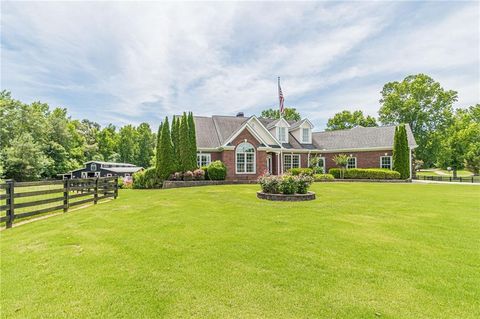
[
  {"x": 323, "y": 177},
  {"x": 146, "y": 179},
  {"x": 365, "y": 173},
  {"x": 303, "y": 171},
  {"x": 217, "y": 171}
]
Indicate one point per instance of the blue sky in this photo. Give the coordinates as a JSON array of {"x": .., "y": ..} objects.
[{"x": 131, "y": 62}]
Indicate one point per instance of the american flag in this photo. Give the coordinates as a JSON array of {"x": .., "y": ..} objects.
[{"x": 280, "y": 97}]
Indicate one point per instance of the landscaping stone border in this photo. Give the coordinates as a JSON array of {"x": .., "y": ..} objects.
[
  {"x": 286, "y": 198},
  {"x": 178, "y": 184}
]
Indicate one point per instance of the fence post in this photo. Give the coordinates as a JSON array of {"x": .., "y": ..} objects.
[
  {"x": 10, "y": 202},
  {"x": 95, "y": 195},
  {"x": 115, "y": 192},
  {"x": 472, "y": 178},
  {"x": 66, "y": 194}
]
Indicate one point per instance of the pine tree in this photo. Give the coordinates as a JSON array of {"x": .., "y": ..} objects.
[
  {"x": 184, "y": 149},
  {"x": 165, "y": 160},
  {"x": 193, "y": 142},
  {"x": 401, "y": 154}
]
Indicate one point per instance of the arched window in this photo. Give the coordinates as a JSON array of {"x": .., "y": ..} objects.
[{"x": 245, "y": 158}]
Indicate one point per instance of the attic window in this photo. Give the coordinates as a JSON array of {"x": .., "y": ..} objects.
[
  {"x": 282, "y": 134},
  {"x": 305, "y": 135}
]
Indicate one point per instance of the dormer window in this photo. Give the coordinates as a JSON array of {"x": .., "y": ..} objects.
[
  {"x": 306, "y": 135},
  {"x": 93, "y": 167},
  {"x": 282, "y": 134}
]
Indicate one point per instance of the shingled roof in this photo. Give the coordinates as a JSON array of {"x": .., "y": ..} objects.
[{"x": 213, "y": 132}]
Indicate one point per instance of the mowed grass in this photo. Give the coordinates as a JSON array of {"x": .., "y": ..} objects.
[{"x": 361, "y": 250}]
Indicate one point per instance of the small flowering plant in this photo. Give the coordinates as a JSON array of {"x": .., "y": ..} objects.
[{"x": 286, "y": 184}]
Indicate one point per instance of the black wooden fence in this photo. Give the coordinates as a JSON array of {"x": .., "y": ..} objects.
[
  {"x": 461, "y": 179},
  {"x": 74, "y": 192}
]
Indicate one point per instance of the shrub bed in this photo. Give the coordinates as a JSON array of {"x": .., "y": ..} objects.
[
  {"x": 365, "y": 173},
  {"x": 217, "y": 171},
  {"x": 301, "y": 171},
  {"x": 323, "y": 177},
  {"x": 286, "y": 184}
]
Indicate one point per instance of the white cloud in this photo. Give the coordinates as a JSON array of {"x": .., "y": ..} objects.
[{"x": 142, "y": 61}]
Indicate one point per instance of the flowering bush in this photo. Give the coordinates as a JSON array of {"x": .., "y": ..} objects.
[
  {"x": 269, "y": 183},
  {"x": 288, "y": 184},
  {"x": 188, "y": 176},
  {"x": 199, "y": 174},
  {"x": 303, "y": 183}
]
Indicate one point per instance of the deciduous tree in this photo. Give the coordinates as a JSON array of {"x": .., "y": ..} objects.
[
  {"x": 290, "y": 113},
  {"x": 347, "y": 120}
]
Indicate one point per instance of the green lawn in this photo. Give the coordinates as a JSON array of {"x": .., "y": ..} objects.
[{"x": 361, "y": 250}]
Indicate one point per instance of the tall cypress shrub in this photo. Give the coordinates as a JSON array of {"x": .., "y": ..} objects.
[
  {"x": 166, "y": 165},
  {"x": 184, "y": 144},
  {"x": 175, "y": 141},
  {"x": 401, "y": 154},
  {"x": 158, "y": 149},
  {"x": 193, "y": 141}
]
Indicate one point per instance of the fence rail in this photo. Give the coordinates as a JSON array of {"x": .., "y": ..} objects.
[
  {"x": 461, "y": 179},
  {"x": 96, "y": 188}
]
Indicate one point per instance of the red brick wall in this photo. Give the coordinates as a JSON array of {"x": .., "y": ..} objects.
[
  {"x": 369, "y": 159},
  {"x": 228, "y": 157}
]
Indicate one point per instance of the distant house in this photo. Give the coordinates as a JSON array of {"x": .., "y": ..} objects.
[
  {"x": 103, "y": 169},
  {"x": 251, "y": 146}
]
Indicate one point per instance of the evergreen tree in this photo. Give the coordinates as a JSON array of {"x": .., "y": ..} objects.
[
  {"x": 193, "y": 141},
  {"x": 183, "y": 145},
  {"x": 165, "y": 157},
  {"x": 158, "y": 148},
  {"x": 400, "y": 152},
  {"x": 175, "y": 141}
]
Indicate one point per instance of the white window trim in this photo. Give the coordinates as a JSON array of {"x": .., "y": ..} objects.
[
  {"x": 324, "y": 164},
  {"x": 92, "y": 167},
  {"x": 286, "y": 134},
  {"x": 391, "y": 161},
  {"x": 291, "y": 161},
  {"x": 84, "y": 175},
  {"x": 355, "y": 162},
  {"x": 254, "y": 160},
  {"x": 309, "y": 135},
  {"x": 207, "y": 155},
  {"x": 109, "y": 175}
]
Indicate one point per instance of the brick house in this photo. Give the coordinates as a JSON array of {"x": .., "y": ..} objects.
[{"x": 251, "y": 146}]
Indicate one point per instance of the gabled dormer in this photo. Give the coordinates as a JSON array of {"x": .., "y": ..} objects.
[
  {"x": 302, "y": 131},
  {"x": 279, "y": 129}
]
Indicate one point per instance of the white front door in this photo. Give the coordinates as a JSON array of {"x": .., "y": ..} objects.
[{"x": 269, "y": 164}]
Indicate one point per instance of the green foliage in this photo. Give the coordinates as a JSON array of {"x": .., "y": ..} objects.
[
  {"x": 323, "y": 177},
  {"x": 184, "y": 144},
  {"x": 217, "y": 171},
  {"x": 461, "y": 144},
  {"x": 422, "y": 103},
  {"x": 288, "y": 185},
  {"x": 165, "y": 157},
  {"x": 146, "y": 179},
  {"x": 127, "y": 146},
  {"x": 176, "y": 141},
  {"x": 269, "y": 183},
  {"x": 401, "y": 161},
  {"x": 347, "y": 119},
  {"x": 145, "y": 141},
  {"x": 289, "y": 114},
  {"x": 24, "y": 160},
  {"x": 192, "y": 142},
  {"x": 364, "y": 173},
  {"x": 303, "y": 183},
  {"x": 341, "y": 160},
  {"x": 301, "y": 171}
]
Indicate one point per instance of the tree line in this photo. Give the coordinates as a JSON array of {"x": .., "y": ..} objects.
[
  {"x": 446, "y": 137},
  {"x": 39, "y": 142}
]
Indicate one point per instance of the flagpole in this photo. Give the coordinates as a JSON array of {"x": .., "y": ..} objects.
[{"x": 279, "y": 102}]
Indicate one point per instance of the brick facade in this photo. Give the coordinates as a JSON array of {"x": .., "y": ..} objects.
[{"x": 368, "y": 159}]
